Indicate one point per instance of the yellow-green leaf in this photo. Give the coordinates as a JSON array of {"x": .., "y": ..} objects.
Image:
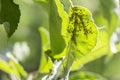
[
  {"x": 4, "y": 66},
  {"x": 45, "y": 62},
  {"x": 81, "y": 36},
  {"x": 81, "y": 31},
  {"x": 101, "y": 49}
]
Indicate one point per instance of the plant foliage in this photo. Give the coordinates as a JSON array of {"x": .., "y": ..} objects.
[{"x": 77, "y": 40}]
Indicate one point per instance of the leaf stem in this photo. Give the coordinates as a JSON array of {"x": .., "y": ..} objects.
[{"x": 68, "y": 61}]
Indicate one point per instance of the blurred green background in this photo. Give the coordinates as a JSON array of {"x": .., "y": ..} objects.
[{"x": 25, "y": 43}]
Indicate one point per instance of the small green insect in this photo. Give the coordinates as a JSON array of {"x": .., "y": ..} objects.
[{"x": 81, "y": 30}]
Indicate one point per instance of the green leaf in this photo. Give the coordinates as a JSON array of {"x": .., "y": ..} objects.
[
  {"x": 55, "y": 24},
  {"x": 20, "y": 69},
  {"x": 4, "y": 66},
  {"x": 12, "y": 67},
  {"x": 45, "y": 62},
  {"x": 9, "y": 16},
  {"x": 63, "y": 15},
  {"x": 45, "y": 38},
  {"x": 101, "y": 49},
  {"x": 9, "y": 68},
  {"x": 81, "y": 31},
  {"x": 85, "y": 76},
  {"x": 17, "y": 68},
  {"x": 81, "y": 36}
]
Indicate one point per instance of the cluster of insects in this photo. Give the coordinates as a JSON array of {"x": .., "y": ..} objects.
[{"x": 79, "y": 21}]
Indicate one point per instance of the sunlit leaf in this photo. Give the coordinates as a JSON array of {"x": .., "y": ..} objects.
[
  {"x": 20, "y": 69},
  {"x": 45, "y": 62},
  {"x": 81, "y": 31},
  {"x": 9, "y": 16},
  {"x": 4, "y": 66},
  {"x": 81, "y": 35},
  {"x": 45, "y": 38},
  {"x": 17, "y": 68},
  {"x": 101, "y": 48},
  {"x": 9, "y": 69}
]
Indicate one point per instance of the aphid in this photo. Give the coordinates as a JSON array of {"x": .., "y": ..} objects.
[
  {"x": 81, "y": 29},
  {"x": 79, "y": 19}
]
